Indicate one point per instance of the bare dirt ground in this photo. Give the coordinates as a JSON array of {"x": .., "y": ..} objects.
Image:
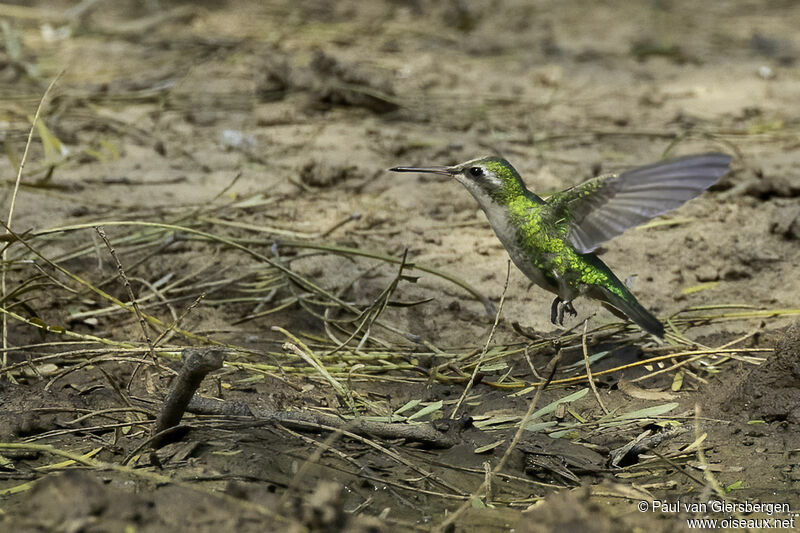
[{"x": 235, "y": 156}]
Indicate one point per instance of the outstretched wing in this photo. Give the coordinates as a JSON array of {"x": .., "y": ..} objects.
[{"x": 604, "y": 207}]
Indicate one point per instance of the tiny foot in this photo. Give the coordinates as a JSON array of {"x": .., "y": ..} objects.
[
  {"x": 555, "y": 311},
  {"x": 565, "y": 307}
]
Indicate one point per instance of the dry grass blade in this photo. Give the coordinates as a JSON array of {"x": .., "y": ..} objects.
[
  {"x": 485, "y": 346},
  {"x": 589, "y": 369},
  {"x": 488, "y": 305},
  {"x": 370, "y": 315},
  {"x": 8, "y": 223},
  {"x": 103, "y": 294},
  {"x": 312, "y": 360}
]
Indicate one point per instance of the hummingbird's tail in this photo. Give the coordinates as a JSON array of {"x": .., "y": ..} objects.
[{"x": 631, "y": 309}]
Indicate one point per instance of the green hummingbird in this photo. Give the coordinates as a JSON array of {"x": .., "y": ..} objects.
[{"x": 551, "y": 240}]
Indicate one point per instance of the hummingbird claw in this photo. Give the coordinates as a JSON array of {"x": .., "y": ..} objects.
[{"x": 557, "y": 310}]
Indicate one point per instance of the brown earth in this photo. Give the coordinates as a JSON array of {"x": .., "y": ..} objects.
[{"x": 270, "y": 126}]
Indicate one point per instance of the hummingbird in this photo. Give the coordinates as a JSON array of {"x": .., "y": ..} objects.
[{"x": 552, "y": 240}]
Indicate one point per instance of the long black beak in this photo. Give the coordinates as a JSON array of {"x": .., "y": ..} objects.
[{"x": 444, "y": 171}]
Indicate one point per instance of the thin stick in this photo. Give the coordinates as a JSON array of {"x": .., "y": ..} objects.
[
  {"x": 13, "y": 204},
  {"x": 589, "y": 369},
  {"x": 312, "y": 460},
  {"x": 131, "y": 295},
  {"x": 304, "y": 420},
  {"x": 677, "y": 467},
  {"x": 551, "y": 371},
  {"x": 164, "y": 333},
  {"x": 711, "y": 481},
  {"x": 485, "y": 346},
  {"x": 178, "y": 321},
  {"x": 310, "y": 358}
]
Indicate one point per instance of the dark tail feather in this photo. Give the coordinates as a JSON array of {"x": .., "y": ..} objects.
[{"x": 633, "y": 310}]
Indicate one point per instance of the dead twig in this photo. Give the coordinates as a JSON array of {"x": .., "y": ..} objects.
[
  {"x": 164, "y": 333},
  {"x": 131, "y": 295},
  {"x": 197, "y": 363},
  {"x": 430, "y": 435}
]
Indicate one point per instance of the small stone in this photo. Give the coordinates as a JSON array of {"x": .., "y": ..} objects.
[
  {"x": 765, "y": 72},
  {"x": 707, "y": 273}
]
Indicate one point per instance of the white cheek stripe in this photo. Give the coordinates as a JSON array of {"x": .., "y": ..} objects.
[{"x": 494, "y": 180}]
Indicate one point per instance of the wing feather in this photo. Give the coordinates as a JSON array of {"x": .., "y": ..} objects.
[{"x": 604, "y": 207}]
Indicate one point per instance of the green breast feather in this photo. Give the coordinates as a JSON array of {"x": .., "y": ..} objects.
[{"x": 544, "y": 242}]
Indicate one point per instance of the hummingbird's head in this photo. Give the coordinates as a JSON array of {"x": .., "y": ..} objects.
[{"x": 491, "y": 180}]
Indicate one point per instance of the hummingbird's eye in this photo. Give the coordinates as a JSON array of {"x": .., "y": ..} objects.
[{"x": 475, "y": 172}]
